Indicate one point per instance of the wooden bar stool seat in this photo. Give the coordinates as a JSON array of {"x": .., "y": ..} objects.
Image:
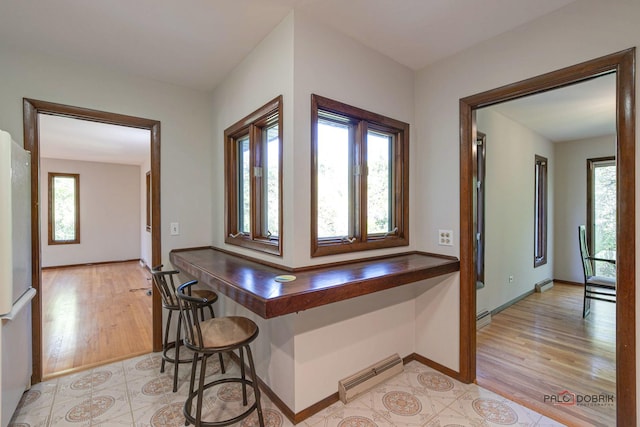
[
  {"x": 165, "y": 284},
  {"x": 208, "y": 338}
]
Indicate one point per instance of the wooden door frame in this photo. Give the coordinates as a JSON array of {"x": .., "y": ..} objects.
[
  {"x": 31, "y": 109},
  {"x": 623, "y": 64}
]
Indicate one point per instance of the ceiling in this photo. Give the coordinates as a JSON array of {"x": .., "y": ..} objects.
[
  {"x": 196, "y": 44},
  {"x": 581, "y": 111},
  {"x": 74, "y": 139}
]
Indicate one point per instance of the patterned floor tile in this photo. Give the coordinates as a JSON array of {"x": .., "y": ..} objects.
[
  {"x": 148, "y": 391},
  {"x": 355, "y": 416},
  {"x": 33, "y": 417},
  {"x": 124, "y": 419},
  {"x": 319, "y": 417},
  {"x": 111, "y": 404},
  {"x": 437, "y": 386},
  {"x": 75, "y": 412},
  {"x": 548, "y": 422},
  {"x": 272, "y": 416},
  {"x": 73, "y": 387},
  {"x": 134, "y": 392},
  {"x": 39, "y": 396},
  {"x": 494, "y": 410},
  {"x": 450, "y": 418},
  {"x": 167, "y": 415},
  {"x": 403, "y": 405}
]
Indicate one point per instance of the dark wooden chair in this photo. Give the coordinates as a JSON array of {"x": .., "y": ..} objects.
[
  {"x": 600, "y": 288},
  {"x": 207, "y": 338},
  {"x": 165, "y": 284}
]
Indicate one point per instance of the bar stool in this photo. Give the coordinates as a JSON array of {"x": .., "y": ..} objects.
[
  {"x": 167, "y": 290},
  {"x": 215, "y": 336}
]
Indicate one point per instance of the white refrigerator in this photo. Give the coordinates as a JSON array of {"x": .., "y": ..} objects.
[{"x": 16, "y": 292}]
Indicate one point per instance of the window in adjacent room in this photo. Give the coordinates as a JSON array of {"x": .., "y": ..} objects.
[
  {"x": 64, "y": 208},
  {"x": 601, "y": 213},
  {"x": 540, "y": 214},
  {"x": 148, "y": 200},
  {"x": 360, "y": 179},
  {"x": 480, "y": 167},
  {"x": 253, "y": 180}
]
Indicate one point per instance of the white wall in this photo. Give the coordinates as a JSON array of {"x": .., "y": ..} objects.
[
  {"x": 310, "y": 347},
  {"x": 264, "y": 74},
  {"x": 578, "y": 32},
  {"x": 509, "y": 196},
  {"x": 109, "y": 213},
  {"x": 571, "y": 200},
  {"x": 185, "y": 127},
  {"x": 337, "y": 67}
]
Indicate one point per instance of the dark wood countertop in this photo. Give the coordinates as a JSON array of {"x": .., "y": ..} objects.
[{"x": 251, "y": 283}]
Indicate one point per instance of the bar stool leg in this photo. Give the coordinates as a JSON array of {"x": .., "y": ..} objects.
[
  {"x": 256, "y": 388},
  {"x": 203, "y": 368},
  {"x": 242, "y": 375},
  {"x": 176, "y": 356},
  {"x": 192, "y": 382},
  {"x": 221, "y": 363},
  {"x": 165, "y": 342}
]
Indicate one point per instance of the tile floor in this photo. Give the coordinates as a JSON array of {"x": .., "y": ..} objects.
[{"x": 135, "y": 393}]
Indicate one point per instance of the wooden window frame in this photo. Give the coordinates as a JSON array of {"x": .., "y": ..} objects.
[
  {"x": 362, "y": 120},
  {"x": 253, "y": 125},
  {"x": 479, "y": 173},
  {"x": 51, "y": 216},
  {"x": 148, "y": 200},
  {"x": 541, "y": 207},
  {"x": 592, "y": 164}
]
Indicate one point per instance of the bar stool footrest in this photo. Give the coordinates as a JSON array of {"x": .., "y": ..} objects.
[
  {"x": 169, "y": 359},
  {"x": 192, "y": 420}
]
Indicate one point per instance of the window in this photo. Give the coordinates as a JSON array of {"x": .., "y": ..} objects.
[
  {"x": 601, "y": 213},
  {"x": 64, "y": 208},
  {"x": 359, "y": 178},
  {"x": 480, "y": 166},
  {"x": 540, "y": 215},
  {"x": 253, "y": 180},
  {"x": 148, "y": 200}
]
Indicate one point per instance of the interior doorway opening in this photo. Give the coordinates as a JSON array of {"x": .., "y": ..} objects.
[
  {"x": 623, "y": 64},
  {"x": 31, "y": 111}
]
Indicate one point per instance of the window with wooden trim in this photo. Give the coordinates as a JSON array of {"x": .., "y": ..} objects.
[
  {"x": 359, "y": 179},
  {"x": 479, "y": 173},
  {"x": 253, "y": 180},
  {"x": 540, "y": 212},
  {"x": 602, "y": 213},
  {"x": 148, "y": 200},
  {"x": 64, "y": 208}
]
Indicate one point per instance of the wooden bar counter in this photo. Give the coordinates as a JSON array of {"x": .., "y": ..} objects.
[
  {"x": 301, "y": 353},
  {"x": 252, "y": 283}
]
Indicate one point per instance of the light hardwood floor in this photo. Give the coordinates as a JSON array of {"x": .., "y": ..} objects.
[
  {"x": 542, "y": 346},
  {"x": 93, "y": 315}
]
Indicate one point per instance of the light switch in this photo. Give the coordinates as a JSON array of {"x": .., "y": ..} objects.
[{"x": 174, "y": 228}]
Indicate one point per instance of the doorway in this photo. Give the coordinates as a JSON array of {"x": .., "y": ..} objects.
[
  {"x": 31, "y": 111},
  {"x": 623, "y": 63}
]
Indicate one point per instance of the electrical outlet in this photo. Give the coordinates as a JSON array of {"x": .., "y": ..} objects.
[
  {"x": 174, "y": 228},
  {"x": 445, "y": 237}
]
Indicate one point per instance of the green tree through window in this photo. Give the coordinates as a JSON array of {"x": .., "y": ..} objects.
[
  {"x": 64, "y": 208},
  {"x": 603, "y": 214}
]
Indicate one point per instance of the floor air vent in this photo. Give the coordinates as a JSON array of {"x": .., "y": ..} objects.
[{"x": 351, "y": 387}]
